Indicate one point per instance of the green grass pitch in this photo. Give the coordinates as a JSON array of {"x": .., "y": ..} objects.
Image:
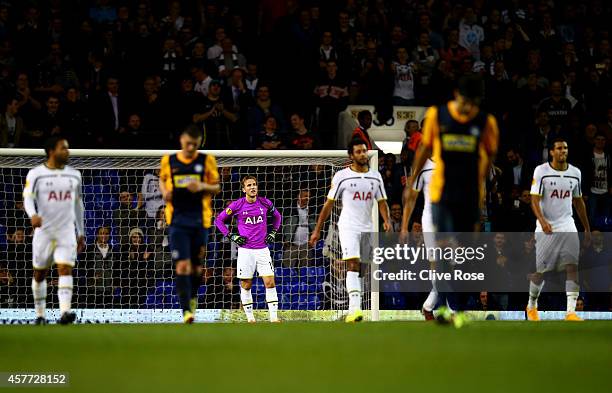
[{"x": 316, "y": 357}]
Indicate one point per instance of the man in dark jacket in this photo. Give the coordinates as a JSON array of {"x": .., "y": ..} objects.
[{"x": 300, "y": 221}]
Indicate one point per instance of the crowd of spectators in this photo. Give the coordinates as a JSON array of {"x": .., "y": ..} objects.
[
  {"x": 131, "y": 73},
  {"x": 274, "y": 74}
]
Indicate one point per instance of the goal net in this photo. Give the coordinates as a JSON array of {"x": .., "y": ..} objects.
[{"x": 126, "y": 271}]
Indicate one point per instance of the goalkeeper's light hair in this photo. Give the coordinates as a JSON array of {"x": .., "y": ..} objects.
[{"x": 245, "y": 178}]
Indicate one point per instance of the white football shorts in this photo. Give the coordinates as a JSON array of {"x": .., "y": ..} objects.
[
  {"x": 251, "y": 260},
  {"x": 57, "y": 247},
  {"x": 556, "y": 250}
]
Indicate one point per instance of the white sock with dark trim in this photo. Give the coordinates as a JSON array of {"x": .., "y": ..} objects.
[
  {"x": 353, "y": 288},
  {"x": 64, "y": 293},
  {"x": 39, "y": 290},
  {"x": 572, "y": 290},
  {"x": 534, "y": 294},
  {"x": 247, "y": 303},
  {"x": 272, "y": 300}
]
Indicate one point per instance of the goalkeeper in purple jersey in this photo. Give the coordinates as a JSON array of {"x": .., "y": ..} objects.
[{"x": 251, "y": 214}]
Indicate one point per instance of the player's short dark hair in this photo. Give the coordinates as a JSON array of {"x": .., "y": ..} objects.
[
  {"x": 192, "y": 131},
  {"x": 551, "y": 145},
  {"x": 245, "y": 178},
  {"x": 51, "y": 143},
  {"x": 471, "y": 87},
  {"x": 355, "y": 142}
]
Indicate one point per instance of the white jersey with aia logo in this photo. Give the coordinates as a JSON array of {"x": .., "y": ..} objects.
[
  {"x": 358, "y": 193},
  {"x": 55, "y": 196},
  {"x": 557, "y": 190},
  {"x": 55, "y": 193}
]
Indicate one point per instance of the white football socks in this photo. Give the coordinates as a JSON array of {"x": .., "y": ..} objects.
[
  {"x": 572, "y": 289},
  {"x": 64, "y": 293},
  {"x": 353, "y": 288},
  {"x": 272, "y": 300},
  {"x": 534, "y": 293},
  {"x": 247, "y": 303},
  {"x": 39, "y": 290},
  {"x": 430, "y": 302}
]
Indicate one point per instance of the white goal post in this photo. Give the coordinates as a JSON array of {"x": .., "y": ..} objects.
[{"x": 120, "y": 200}]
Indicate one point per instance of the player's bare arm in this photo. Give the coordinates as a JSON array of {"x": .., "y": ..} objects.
[
  {"x": 537, "y": 211},
  {"x": 79, "y": 212},
  {"x": 36, "y": 221},
  {"x": 30, "y": 206},
  {"x": 384, "y": 212},
  {"x": 323, "y": 216},
  {"x": 164, "y": 174},
  {"x": 580, "y": 207},
  {"x": 199, "y": 186},
  {"x": 419, "y": 161},
  {"x": 166, "y": 192},
  {"x": 409, "y": 198},
  {"x": 211, "y": 184}
]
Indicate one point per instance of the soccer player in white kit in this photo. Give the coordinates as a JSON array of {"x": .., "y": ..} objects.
[
  {"x": 52, "y": 200},
  {"x": 555, "y": 188},
  {"x": 411, "y": 193},
  {"x": 357, "y": 186}
]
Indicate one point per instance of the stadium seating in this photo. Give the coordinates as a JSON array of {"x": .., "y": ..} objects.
[{"x": 295, "y": 292}]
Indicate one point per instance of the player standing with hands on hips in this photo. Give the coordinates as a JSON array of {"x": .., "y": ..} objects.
[
  {"x": 357, "y": 186},
  {"x": 252, "y": 238},
  {"x": 52, "y": 200},
  {"x": 187, "y": 181},
  {"x": 555, "y": 188}
]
